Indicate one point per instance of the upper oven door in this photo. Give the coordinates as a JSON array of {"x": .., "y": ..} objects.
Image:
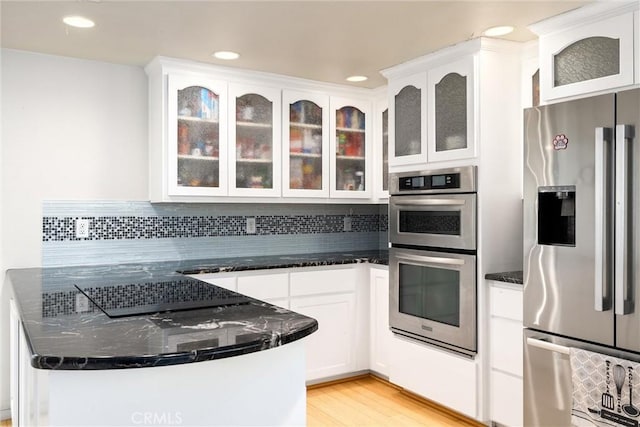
[{"x": 438, "y": 220}]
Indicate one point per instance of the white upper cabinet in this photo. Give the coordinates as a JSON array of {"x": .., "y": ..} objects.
[
  {"x": 407, "y": 118},
  {"x": 471, "y": 107},
  {"x": 587, "y": 50},
  {"x": 381, "y": 149},
  {"x": 450, "y": 107},
  {"x": 305, "y": 138},
  {"x": 254, "y": 141},
  {"x": 196, "y": 137},
  {"x": 350, "y": 124}
]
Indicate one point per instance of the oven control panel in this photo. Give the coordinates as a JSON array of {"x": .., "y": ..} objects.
[
  {"x": 430, "y": 182},
  {"x": 452, "y": 180}
]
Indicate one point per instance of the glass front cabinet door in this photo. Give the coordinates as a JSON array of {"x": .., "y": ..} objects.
[
  {"x": 587, "y": 58},
  {"x": 381, "y": 140},
  {"x": 254, "y": 138},
  {"x": 450, "y": 111},
  {"x": 197, "y": 135},
  {"x": 407, "y": 139},
  {"x": 305, "y": 157},
  {"x": 351, "y": 148}
]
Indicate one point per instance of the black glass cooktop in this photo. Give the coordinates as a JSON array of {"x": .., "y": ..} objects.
[{"x": 131, "y": 299}]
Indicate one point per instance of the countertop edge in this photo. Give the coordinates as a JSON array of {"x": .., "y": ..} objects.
[
  {"x": 148, "y": 361},
  {"x": 515, "y": 277}
]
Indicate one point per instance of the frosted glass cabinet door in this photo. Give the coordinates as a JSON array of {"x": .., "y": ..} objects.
[
  {"x": 305, "y": 136},
  {"x": 407, "y": 139},
  {"x": 451, "y": 115},
  {"x": 254, "y": 136},
  {"x": 196, "y": 136},
  {"x": 593, "y": 57},
  {"x": 351, "y": 148}
]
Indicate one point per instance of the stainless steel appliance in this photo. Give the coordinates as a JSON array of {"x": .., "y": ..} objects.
[
  {"x": 581, "y": 243},
  {"x": 432, "y": 260}
]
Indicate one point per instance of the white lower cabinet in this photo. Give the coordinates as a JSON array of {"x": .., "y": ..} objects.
[
  {"x": 337, "y": 297},
  {"x": 271, "y": 288},
  {"x": 437, "y": 375},
  {"x": 380, "y": 336},
  {"x": 28, "y": 386},
  {"x": 505, "y": 344},
  {"x": 329, "y": 350}
]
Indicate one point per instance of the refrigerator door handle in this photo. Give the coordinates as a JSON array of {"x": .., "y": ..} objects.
[
  {"x": 603, "y": 279},
  {"x": 546, "y": 345},
  {"x": 623, "y": 293}
]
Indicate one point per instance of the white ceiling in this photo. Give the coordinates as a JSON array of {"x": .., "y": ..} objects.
[{"x": 319, "y": 40}]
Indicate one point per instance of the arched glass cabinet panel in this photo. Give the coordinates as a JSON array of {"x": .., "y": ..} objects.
[
  {"x": 305, "y": 146},
  {"x": 198, "y": 137},
  {"x": 385, "y": 150},
  {"x": 451, "y": 112},
  {"x": 254, "y": 142},
  {"x": 408, "y": 113},
  {"x": 587, "y": 59},
  {"x": 350, "y": 149}
]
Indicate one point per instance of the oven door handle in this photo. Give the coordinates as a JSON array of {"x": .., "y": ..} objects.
[
  {"x": 413, "y": 201},
  {"x": 431, "y": 259}
]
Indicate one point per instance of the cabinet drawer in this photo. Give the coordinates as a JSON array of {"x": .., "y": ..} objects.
[
  {"x": 323, "y": 282},
  {"x": 506, "y": 345},
  {"x": 506, "y": 399},
  {"x": 506, "y": 303},
  {"x": 434, "y": 374},
  {"x": 265, "y": 286}
]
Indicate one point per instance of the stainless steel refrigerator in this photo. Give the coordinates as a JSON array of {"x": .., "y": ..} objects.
[{"x": 581, "y": 243}]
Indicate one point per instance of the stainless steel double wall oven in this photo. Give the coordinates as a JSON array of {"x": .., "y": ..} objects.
[{"x": 432, "y": 259}]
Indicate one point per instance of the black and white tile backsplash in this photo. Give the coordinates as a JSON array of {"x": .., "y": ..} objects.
[
  {"x": 124, "y": 232},
  {"x": 161, "y": 227}
]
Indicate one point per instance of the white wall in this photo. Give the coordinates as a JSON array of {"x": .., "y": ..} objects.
[{"x": 71, "y": 130}]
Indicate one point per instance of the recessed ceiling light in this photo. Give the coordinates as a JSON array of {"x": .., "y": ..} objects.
[
  {"x": 498, "y": 31},
  {"x": 357, "y": 78},
  {"x": 226, "y": 54},
  {"x": 78, "y": 21}
]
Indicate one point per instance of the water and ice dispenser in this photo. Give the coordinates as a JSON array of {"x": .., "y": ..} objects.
[{"x": 557, "y": 215}]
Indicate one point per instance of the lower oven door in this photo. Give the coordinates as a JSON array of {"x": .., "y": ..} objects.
[{"x": 433, "y": 297}]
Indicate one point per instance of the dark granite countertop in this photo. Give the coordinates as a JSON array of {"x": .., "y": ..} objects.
[
  {"x": 66, "y": 329},
  {"x": 509, "y": 277}
]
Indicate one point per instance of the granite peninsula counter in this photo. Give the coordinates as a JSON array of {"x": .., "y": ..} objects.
[{"x": 160, "y": 319}]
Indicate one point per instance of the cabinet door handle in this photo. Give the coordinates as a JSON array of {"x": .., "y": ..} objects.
[{"x": 546, "y": 345}]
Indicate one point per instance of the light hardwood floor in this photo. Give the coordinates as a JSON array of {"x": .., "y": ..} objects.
[{"x": 369, "y": 401}]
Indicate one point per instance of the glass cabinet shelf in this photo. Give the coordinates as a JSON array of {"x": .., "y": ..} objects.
[
  {"x": 255, "y": 125},
  {"x": 196, "y": 119},
  {"x": 305, "y": 126},
  {"x": 253, "y": 160},
  {"x": 192, "y": 157},
  {"x": 307, "y": 155}
]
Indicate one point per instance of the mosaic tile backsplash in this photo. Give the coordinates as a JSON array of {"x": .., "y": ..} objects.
[
  {"x": 139, "y": 231},
  {"x": 115, "y": 228}
]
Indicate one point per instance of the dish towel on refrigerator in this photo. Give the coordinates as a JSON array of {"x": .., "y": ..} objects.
[{"x": 606, "y": 390}]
